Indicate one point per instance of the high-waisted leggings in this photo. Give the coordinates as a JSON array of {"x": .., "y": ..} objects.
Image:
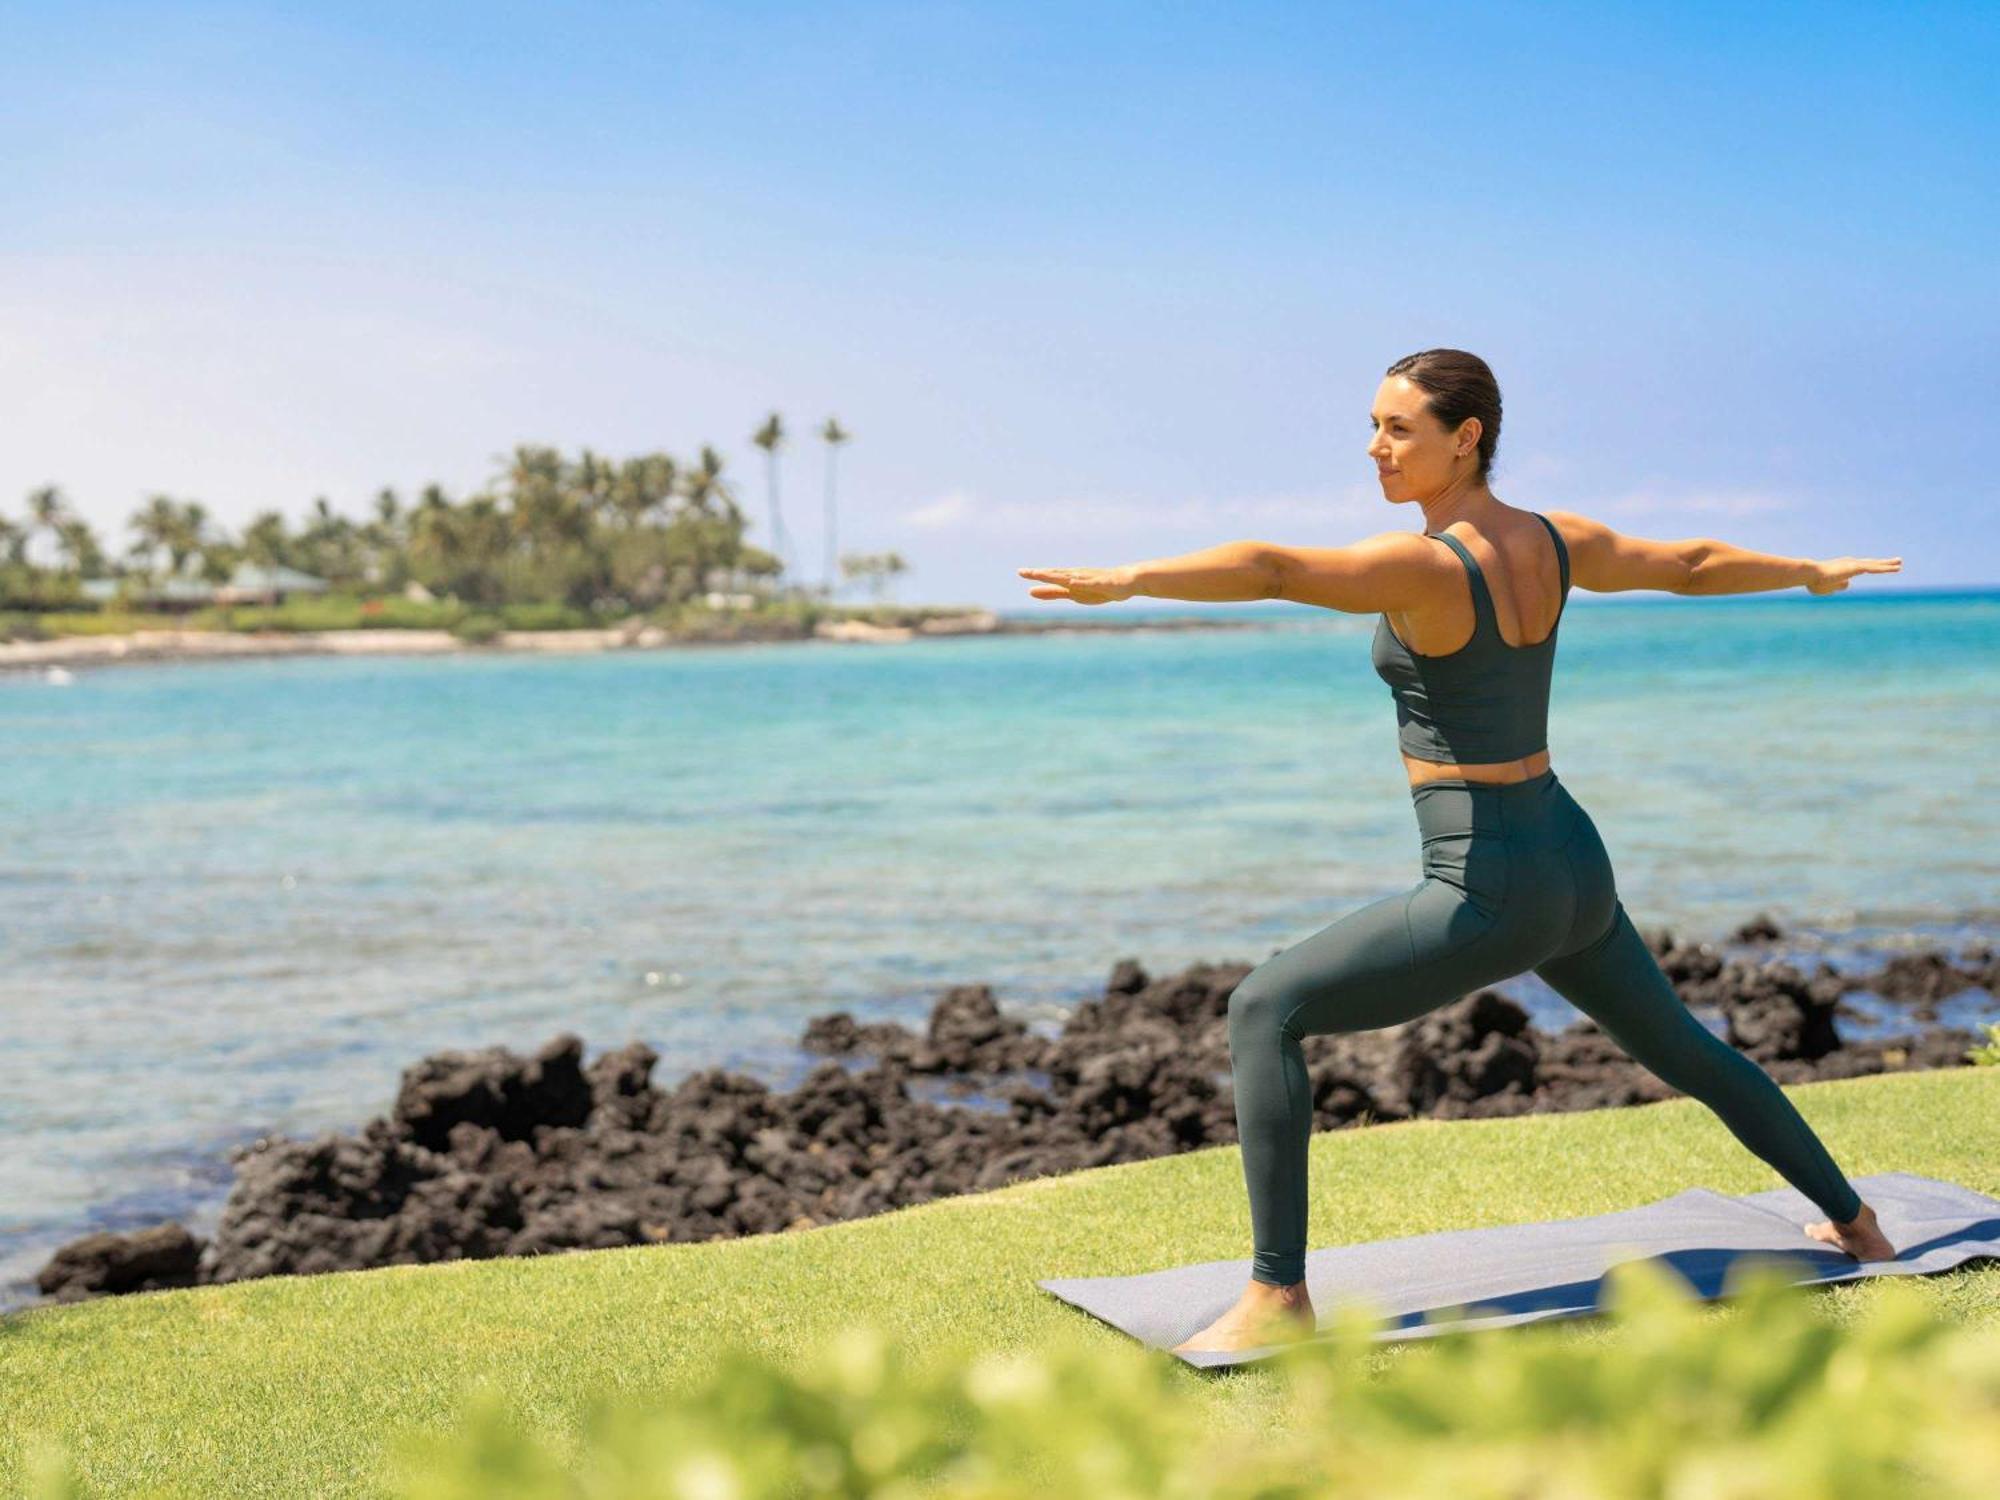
[{"x": 1514, "y": 878}]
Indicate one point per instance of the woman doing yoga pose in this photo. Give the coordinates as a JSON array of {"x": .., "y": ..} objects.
[{"x": 1515, "y": 876}]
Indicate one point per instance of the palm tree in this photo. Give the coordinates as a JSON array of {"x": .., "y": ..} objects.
[
  {"x": 704, "y": 486},
  {"x": 433, "y": 534},
  {"x": 264, "y": 540},
  {"x": 77, "y": 545},
  {"x": 879, "y": 569},
  {"x": 768, "y": 437},
  {"x": 154, "y": 528},
  {"x": 14, "y": 538},
  {"x": 46, "y": 512},
  {"x": 381, "y": 538},
  {"x": 711, "y": 498},
  {"x": 542, "y": 506},
  {"x": 835, "y": 435},
  {"x": 639, "y": 487},
  {"x": 195, "y": 540}
]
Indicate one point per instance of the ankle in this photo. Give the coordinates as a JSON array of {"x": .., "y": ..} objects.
[{"x": 1268, "y": 1291}]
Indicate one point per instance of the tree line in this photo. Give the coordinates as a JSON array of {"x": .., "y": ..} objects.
[{"x": 586, "y": 531}]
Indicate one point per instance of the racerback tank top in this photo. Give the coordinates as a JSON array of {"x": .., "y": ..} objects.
[{"x": 1487, "y": 701}]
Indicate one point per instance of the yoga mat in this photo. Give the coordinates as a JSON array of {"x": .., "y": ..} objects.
[{"x": 1524, "y": 1273}]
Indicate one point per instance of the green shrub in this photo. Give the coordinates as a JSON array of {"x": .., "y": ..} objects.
[
  {"x": 113, "y": 622},
  {"x": 335, "y": 612},
  {"x": 396, "y": 613},
  {"x": 479, "y": 629},
  {"x": 38, "y": 589},
  {"x": 1987, "y": 1055},
  {"x": 1771, "y": 1402},
  {"x": 545, "y": 617},
  {"x": 21, "y": 627}
]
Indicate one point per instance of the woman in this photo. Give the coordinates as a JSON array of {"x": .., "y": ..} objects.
[{"x": 1515, "y": 876}]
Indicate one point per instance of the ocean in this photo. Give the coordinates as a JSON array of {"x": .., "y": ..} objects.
[{"x": 238, "y": 898}]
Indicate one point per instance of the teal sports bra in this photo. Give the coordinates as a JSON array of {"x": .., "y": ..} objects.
[{"x": 1485, "y": 702}]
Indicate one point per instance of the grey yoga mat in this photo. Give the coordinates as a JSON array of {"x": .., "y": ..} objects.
[{"x": 1457, "y": 1279}]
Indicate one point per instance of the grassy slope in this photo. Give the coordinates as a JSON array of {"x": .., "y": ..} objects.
[{"x": 290, "y": 1385}]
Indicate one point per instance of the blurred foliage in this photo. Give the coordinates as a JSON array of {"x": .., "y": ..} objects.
[
  {"x": 589, "y": 534},
  {"x": 1987, "y": 1055},
  {"x": 334, "y": 612},
  {"x": 353, "y": 612},
  {"x": 26, "y": 588},
  {"x": 551, "y": 617},
  {"x": 479, "y": 629},
  {"x": 1769, "y": 1400},
  {"x": 41, "y": 627}
]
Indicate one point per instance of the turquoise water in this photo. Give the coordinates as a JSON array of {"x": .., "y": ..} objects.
[{"x": 240, "y": 897}]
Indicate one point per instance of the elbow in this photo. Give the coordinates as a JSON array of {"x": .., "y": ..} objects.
[
  {"x": 1693, "y": 553},
  {"x": 1266, "y": 564}
]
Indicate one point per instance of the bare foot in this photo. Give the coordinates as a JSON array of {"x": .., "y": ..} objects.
[
  {"x": 1860, "y": 1237},
  {"x": 1262, "y": 1315}
]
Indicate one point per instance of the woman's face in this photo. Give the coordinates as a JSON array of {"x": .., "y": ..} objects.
[{"x": 1414, "y": 456}]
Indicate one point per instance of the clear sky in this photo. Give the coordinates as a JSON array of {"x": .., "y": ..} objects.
[{"x": 1087, "y": 284}]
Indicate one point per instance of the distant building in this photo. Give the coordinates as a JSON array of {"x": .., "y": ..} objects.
[
  {"x": 253, "y": 584},
  {"x": 249, "y": 584},
  {"x": 155, "y": 595}
]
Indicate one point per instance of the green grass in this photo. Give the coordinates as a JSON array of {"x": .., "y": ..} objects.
[
  {"x": 393, "y": 612},
  {"x": 294, "y": 1385},
  {"x": 49, "y": 626}
]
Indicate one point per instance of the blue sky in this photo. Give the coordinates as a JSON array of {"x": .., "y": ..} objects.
[{"x": 1087, "y": 284}]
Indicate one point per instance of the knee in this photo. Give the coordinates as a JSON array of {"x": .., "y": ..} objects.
[{"x": 1257, "y": 1010}]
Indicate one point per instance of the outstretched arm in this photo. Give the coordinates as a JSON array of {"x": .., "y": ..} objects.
[
  {"x": 1607, "y": 561},
  {"x": 1390, "y": 570},
  {"x": 1227, "y": 572}
]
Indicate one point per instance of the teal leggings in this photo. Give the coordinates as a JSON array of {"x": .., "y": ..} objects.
[{"x": 1515, "y": 878}]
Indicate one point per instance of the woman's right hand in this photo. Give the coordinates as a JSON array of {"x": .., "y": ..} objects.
[
  {"x": 1081, "y": 585},
  {"x": 1834, "y": 572}
]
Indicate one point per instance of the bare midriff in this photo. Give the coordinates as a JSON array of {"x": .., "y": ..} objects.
[{"x": 1501, "y": 771}]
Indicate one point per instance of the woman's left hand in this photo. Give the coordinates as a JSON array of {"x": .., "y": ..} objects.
[{"x": 1083, "y": 585}]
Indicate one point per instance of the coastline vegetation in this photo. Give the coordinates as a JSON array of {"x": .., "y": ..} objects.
[
  {"x": 554, "y": 543},
  {"x": 752, "y": 612}
]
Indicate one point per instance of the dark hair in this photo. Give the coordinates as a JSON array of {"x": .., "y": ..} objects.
[{"x": 1458, "y": 385}]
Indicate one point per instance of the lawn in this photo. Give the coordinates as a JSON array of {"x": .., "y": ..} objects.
[{"x": 293, "y": 1385}]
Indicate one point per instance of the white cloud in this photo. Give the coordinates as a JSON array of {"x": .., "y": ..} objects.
[{"x": 949, "y": 510}]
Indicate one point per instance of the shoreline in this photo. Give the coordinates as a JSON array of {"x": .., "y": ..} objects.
[
  {"x": 491, "y": 1153},
  {"x": 233, "y": 645}
]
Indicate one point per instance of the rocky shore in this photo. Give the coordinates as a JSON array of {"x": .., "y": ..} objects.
[
  {"x": 492, "y": 1153},
  {"x": 212, "y": 645}
]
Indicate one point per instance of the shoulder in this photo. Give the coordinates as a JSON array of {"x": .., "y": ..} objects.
[
  {"x": 1583, "y": 536},
  {"x": 1575, "y": 526},
  {"x": 1398, "y": 550},
  {"x": 1388, "y": 570},
  {"x": 1415, "y": 550},
  {"x": 1414, "y": 559}
]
